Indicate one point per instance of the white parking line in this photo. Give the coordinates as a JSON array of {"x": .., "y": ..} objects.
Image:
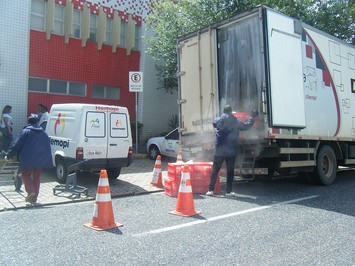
[{"x": 216, "y": 218}]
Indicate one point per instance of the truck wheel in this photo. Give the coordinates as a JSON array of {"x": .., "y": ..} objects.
[
  {"x": 326, "y": 166},
  {"x": 153, "y": 152},
  {"x": 62, "y": 171},
  {"x": 113, "y": 173}
]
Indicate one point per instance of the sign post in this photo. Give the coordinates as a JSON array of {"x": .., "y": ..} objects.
[{"x": 136, "y": 85}]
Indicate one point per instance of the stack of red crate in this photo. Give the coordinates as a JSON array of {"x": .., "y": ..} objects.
[{"x": 200, "y": 173}]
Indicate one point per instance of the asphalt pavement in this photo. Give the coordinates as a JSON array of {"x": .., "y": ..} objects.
[{"x": 282, "y": 221}]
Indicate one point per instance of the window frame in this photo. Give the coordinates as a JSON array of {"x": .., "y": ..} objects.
[
  {"x": 67, "y": 87},
  {"x": 109, "y": 23},
  {"x": 59, "y": 20},
  {"x": 39, "y": 15},
  {"x": 77, "y": 26},
  {"x": 123, "y": 34},
  {"x": 137, "y": 38},
  {"x": 93, "y": 28}
]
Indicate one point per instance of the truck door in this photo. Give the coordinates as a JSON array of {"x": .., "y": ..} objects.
[
  {"x": 118, "y": 135},
  {"x": 95, "y": 142},
  {"x": 285, "y": 71},
  {"x": 198, "y": 82}
]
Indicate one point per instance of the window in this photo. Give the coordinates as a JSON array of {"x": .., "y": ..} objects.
[
  {"x": 98, "y": 91},
  {"x": 76, "y": 23},
  {"x": 105, "y": 92},
  {"x": 93, "y": 27},
  {"x": 36, "y": 84},
  {"x": 38, "y": 11},
  {"x": 57, "y": 86},
  {"x": 108, "y": 31},
  {"x": 111, "y": 93},
  {"x": 77, "y": 88},
  {"x": 137, "y": 38},
  {"x": 58, "y": 20},
  {"x": 123, "y": 34}
]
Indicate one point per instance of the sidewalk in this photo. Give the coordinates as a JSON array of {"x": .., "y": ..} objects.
[{"x": 133, "y": 180}]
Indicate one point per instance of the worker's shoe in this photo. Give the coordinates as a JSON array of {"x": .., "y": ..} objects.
[
  {"x": 230, "y": 195},
  {"x": 209, "y": 193},
  {"x": 30, "y": 197}
]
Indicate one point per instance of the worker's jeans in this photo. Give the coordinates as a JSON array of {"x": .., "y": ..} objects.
[
  {"x": 32, "y": 179},
  {"x": 217, "y": 164}
]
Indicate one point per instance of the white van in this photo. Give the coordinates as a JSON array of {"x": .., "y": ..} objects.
[{"x": 98, "y": 136}]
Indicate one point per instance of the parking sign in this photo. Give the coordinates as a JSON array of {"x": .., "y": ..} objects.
[{"x": 135, "y": 81}]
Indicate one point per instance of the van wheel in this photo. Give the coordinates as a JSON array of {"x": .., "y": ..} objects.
[
  {"x": 62, "y": 171},
  {"x": 326, "y": 167},
  {"x": 153, "y": 152},
  {"x": 113, "y": 173}
]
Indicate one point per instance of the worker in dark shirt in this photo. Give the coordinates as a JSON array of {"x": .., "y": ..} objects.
[{"x": 227, "y": 137}]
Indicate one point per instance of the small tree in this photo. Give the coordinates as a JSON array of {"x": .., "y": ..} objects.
[{"x": 170, "y": 20}]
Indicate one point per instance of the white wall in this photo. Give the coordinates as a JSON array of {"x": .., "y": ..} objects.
[
  {"x": 14, "y": 59},
  {"x": 155, "y": 106}
]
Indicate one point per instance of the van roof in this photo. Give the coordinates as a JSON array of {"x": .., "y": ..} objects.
[{"x": 100, "y": 107}]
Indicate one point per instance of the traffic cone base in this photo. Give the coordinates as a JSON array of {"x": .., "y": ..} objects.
[
  {"x": 103, "y": 218},
  {"x": 185, "y": 214},
  {"x": 115, "y": 225}
]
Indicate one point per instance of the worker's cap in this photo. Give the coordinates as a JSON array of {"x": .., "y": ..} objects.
[
  {"x": 32, "y": 119},
  {"x": 227, "y": 109}
]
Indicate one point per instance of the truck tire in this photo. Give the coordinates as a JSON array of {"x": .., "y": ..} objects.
[
  {"x": 61, "y": 170},
  {"x": 113, "y": 173},
  {"x": 326, "y": 166},
  {"x": 153, "y": 152}
]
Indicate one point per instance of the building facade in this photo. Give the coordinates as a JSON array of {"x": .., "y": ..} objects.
[{"x": 76, "y": 51}]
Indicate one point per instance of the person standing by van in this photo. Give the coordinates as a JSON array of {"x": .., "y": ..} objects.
[
  {"x": 44, "y": 117},
  {"x": 6, "y": 128},
  {"x": 40, "y": 110},
  {"x": 34, "y": 151}
]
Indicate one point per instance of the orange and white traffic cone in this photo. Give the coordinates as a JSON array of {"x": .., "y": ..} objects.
[
  {"x": 157, "y": 174},
  {"x": 103, "y": 218},
  {"x": 179, "y": 157},
  {"x": 185, "y": 201}
]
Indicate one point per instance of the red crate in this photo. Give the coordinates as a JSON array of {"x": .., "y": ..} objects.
[
  {"x": 171, "y": 188},
  {"x": 200, "y": 173}
]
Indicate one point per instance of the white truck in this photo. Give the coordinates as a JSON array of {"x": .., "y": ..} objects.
[{"x": 300, "y": 79}]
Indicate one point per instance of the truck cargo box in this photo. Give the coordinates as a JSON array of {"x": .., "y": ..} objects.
[{"x": 300, "y": 79}]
